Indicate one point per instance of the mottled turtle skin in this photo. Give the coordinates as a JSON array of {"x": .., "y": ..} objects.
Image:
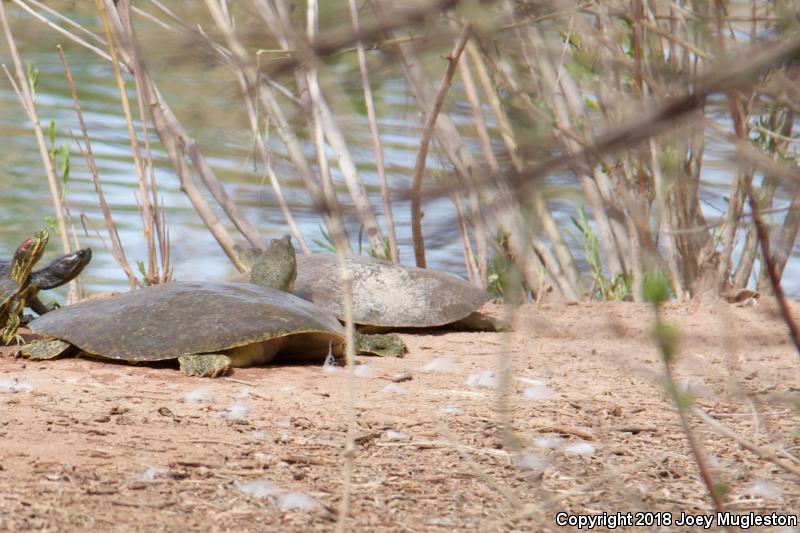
[
  {"x": 13, "y": 288},
  {"x": 190, "y": 322},
  {"x": 60, "y": 271}
]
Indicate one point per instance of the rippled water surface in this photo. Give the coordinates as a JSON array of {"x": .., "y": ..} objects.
[{"x": 206, "y": 99}]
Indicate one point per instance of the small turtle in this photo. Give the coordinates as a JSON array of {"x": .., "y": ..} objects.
[
  {"x": 208, "y": 327},
  {"x": 59, "y": 272},
  {"x": 15, "y": 280}
]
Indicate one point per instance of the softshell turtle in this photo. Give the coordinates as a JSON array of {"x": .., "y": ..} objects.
[
  {"x": 391, "y": 296},
  {"x": 60, "y": 271},
  {"x": 14, "y": 282},
  {"x": 207, "y": 326},
  {"x": 386, "y": 297}
]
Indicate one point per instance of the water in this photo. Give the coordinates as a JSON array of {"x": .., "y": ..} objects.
[{"x": 205, "y": 97}]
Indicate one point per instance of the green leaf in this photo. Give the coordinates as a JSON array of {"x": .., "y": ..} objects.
[
  {"x": 51, "y": 222},
  {"x": 33, "y": 77},
  {"x": 655, "y": 288}
]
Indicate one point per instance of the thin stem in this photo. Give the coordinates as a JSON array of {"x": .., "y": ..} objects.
[{"x": 424, "y": 143}]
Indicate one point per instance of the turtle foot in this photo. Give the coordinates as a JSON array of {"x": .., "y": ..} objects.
[
  {"x": 206, "y": 365},
  {"x": 9, "y": 334},
  {"x": 380, "y": 345},
  {"x": 44, "y": 350}
]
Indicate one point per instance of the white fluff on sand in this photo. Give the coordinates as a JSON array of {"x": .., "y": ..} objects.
[
  {"x": 260, "y": 488},
  {"x": 395, "y": 435},
  {"x": 697, "y": 387},
  {"x": 285, "y": 499},
  {"x": 201, "y": 395},
  {"x": 236, "y": 412},
  {"x": 579, "y": 448},
  {"x": 485, "y": 379},
  {"x": 155, "y": 472},
  {"x": 451, "y": 409},
  {"x": 539, "y": 392},
  {"x": 531, "y": 461},
  {"x": 768, "y": 490},
  {"x": 395, "y": 388},
  {"x": 13, "y": 385},
  {"x": 288, "y": 501},
  {"x": 549, "y": 442},
  {"x": 259, "y": 434},
  {"x": 365, "y": 371},
  {"x": 439, "y": 364}
]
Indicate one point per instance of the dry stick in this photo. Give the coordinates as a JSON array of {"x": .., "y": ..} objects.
[
  {"x": 424, "y": 143},
  {"x": 394, "y": 253},
  {"x": 29, "y": 105},
  {"x": 145, "y": 207},
  {"x": 452, "y": 144},
  {"x": 772, "y": 273},
  {"x": 59, "y": 16},
  {"x": 664, "y": 222},
  {"x": 565, "y": 108},
  {"x": 520, "y": 239},
  {"x": 246, "y": 76},
  {"x": 175, "y": 140},
  {"x": 117, "y": 251},
  {"x": 189, "y": 146},
  {"x": 727, "y": 74},
  {"x": 177, "y": 143},
  {"x": 261, "y": 141},
  {"x": 327, "y": 206},
  {"x": 680, "y": 404},
  {"x": 333, "y": 134},
  {"x": 764, "y": 453},
  {"x": 67, "y": 34},
  {"x": 750, "y": 250},
  {"x": 323, "y": 194},
  {"x": 332, "y": 45},
  {"x": 312, "y": 14},
  {"x": 162, "y": 275}
]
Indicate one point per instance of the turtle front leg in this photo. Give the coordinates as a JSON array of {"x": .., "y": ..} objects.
[
  {"x": 205, "y": 365},
  {"x": 40, "y": 307}
]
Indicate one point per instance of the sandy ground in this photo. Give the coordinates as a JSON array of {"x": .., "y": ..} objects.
[{"x": 88, "y": 445}]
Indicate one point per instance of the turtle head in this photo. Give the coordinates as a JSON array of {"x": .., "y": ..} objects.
[
  {"x": 62, "y": 270},
  {"x": 276, "y": 267},
  {"x": 28, "y": 253}
]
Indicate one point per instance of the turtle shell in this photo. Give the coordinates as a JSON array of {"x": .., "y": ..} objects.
[
  {"x": 388, "y": 295},
  {"x": 169, "y": 320}
]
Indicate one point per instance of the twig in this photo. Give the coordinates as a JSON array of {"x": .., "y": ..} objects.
[
  {"x": 148, "y": 219},
  {"x": 666, "y": 344},
  {"x": 424, "y": 143},
  {"x": 762, "y": 452},
  {"x": 117, "y": 250},
  {"x": 769, "y": 262},
  {"x": 29, "y": 106},
  {"x": 394, "y": 254}
]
